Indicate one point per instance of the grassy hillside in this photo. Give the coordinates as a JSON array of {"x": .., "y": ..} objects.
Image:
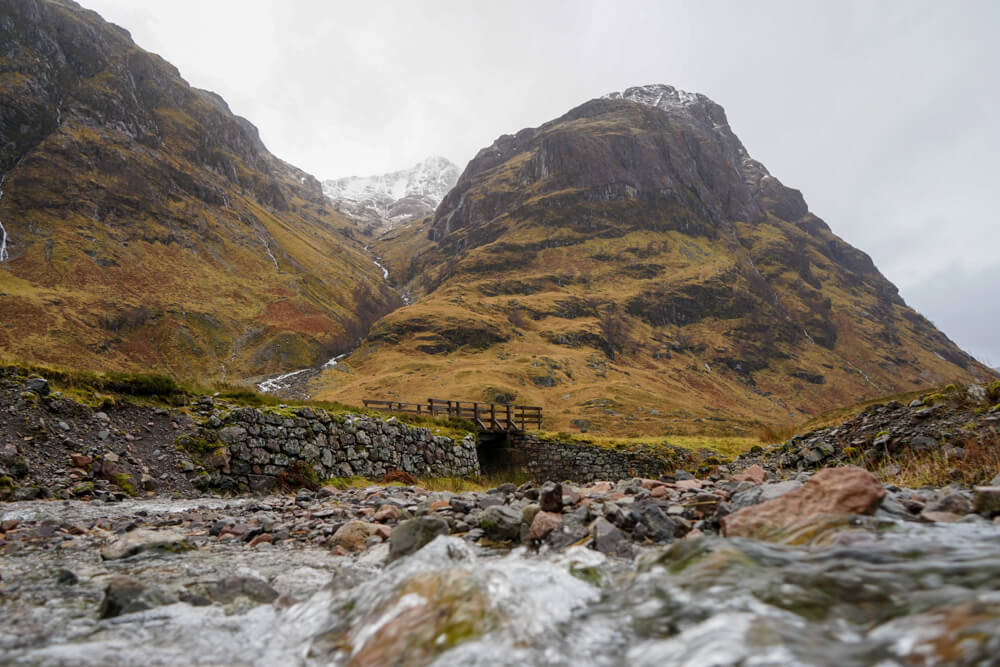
[
  {"x": 693, "y": 306},
  {"x": 148, "y": 227}
]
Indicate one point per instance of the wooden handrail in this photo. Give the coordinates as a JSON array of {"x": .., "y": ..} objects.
[{"x": 486, "y": 416}]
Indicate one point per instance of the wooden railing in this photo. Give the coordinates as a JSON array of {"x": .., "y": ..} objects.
[{"x": 486, "y": 416}]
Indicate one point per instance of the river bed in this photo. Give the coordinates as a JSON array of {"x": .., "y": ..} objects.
[{"x": 883, "y": 592}]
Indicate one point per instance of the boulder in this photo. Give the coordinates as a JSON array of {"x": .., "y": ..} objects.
[
  {"x": 753, "y": 474},
  {"x": 39, "y": 386},
  {"x": 501, "y": 522},
  {"x": 609, "y": 540},
  {"x": 987, "y": 500},
  {"x": 550, "y": 499},
  {"x": 831, "y": 491},
  {"x": 142, "y": 540},
  {"x": 543, "y": 524},
  {"x": 353, "y": 535},
  {"x": 411, "y": 535},
  {"x": 124, "y": 595}
]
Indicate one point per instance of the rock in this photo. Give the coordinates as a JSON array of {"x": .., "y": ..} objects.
[
  {"x": 231, "y": 435},
  {"x": 263, "y": 538},
  {"x": 764, "y": 493},
  {"x": 550, "y": 498},
  {"x": 8, "y": 453},
  {"x": 387, "y": 513},
  {"x": 924, "y": 413},
  {"x": 501, "y": 522},
  {"x": 543, "y": 524},
  {"x": 847, "y": 490},
  {"x": 986, "y": 500},
  {"x": 955, "y": 503},
  {"x": 995, "y": 481},
  {"x": 923, "y": 443},
  {"x": 39, "y": 386},
  {"x": 977, "y": 393},
  {"x": 656, "y": 525},
  {"x": 232, "y": 588},
  {"x": 67, "y": 578},
  {"x": 352, "y": 535},
  {"x": 609, "y": 540},
  {"x": 753, "y": 474},
  {"x": 81, "y": 460},
  {"x": 103, "y": 434},
  {"x": 138, "y": 541},
  {"x": 411, "y": 535},
  {"x": 940, "y": 517},
  {"x": 125, "y": 595}
]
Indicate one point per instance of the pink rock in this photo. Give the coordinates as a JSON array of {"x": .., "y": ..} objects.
[
  {"x": 260, "y": 539},
  {"x": 386, "y": 513},
  {"x": 649, "y": 484},
  {"x": 440, "y": 505},
  {"x": 543, "y": 524},
  {"x": 600, "y": 487},
  {"x": 688, "y": 484},
  {"x": 753, "y": 474},
  {"x": 659, "y": 491},
  {"x": 383, "y": 531},
  {"x": 831, "y": 491}
]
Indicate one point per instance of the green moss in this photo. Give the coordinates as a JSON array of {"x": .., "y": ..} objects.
[
  {"x": 83, "y": 489},
  {"x": 7, "y": 483},
  {"x": 123, "y": 482}
]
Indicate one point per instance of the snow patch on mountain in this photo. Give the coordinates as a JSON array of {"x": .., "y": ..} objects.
[
  {"x": 658, "y": 95},
  {"x": 385, "y": 201}
]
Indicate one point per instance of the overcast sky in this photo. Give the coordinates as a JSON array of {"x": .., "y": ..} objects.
[{"x": 884, "y": 114}]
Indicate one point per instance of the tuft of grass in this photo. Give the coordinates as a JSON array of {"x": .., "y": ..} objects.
[
  {"x": 772, "y": 434},
  {"x": 916, "y": 469}
]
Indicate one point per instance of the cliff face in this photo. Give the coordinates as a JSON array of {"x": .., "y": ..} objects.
[
  {"x": 630, "y": 267},
  {"x": 147, "y": 226}
]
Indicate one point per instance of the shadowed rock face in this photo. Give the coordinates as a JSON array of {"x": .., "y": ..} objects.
[{"x": 171, "y": 238}]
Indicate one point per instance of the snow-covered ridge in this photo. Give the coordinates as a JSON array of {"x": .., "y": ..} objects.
[
  {"x": 386, "y": 200},
  {"x": 658, "y": 95}
]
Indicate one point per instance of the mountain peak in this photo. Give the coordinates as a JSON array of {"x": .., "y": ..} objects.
[
  {"x": 659, "y": 95},
  {"x": 384, "y": 201}
]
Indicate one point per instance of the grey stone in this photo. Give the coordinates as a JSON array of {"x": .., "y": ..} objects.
[
  {"x": 411, "y": 535},
  {"x": 954, "y": 503},
  {"x": 923, "y": 443},
  {"x": 138, "y": 541},
  {"x": 124, "y": 595},
  {"x": 39, "y": 386},
  {"x": 232, "y": 434},
  {"x": 501, "y": 522},
  {"x": 609, "y": 540},
  {"x": 986, "y": 500}
]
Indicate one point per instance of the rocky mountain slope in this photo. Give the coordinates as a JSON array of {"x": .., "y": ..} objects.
[
  {"x": 145, "y": 226},
  {"x": 381, "y": 203},
  {"x": 632, "y": 269}
]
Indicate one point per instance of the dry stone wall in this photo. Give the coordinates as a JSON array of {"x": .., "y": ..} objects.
[
  {"x": 261, "y": 445},
  {"x": 549, "y": 459}
]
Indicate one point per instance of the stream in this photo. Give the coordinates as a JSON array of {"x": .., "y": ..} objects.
[{"x": 885, "y": 593}]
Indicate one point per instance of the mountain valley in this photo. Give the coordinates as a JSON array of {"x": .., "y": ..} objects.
[{"x": 627, "y": 266}]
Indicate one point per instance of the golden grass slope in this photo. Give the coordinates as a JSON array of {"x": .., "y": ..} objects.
[
  {"x": 149, "y": 229},
  {"x": 635, "y": 314}
]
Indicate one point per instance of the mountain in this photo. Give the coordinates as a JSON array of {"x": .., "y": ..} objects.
[
  {"x": 629, "y": 267},
  {"x": 381, "y": 203},
  {"x": 147, "y": 227}
]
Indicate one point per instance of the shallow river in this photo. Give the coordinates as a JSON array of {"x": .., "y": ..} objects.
[{"x": 885, "y": 593}]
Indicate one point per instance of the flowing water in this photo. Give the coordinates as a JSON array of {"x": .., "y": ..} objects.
[{"x": 881, "y": 593}]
